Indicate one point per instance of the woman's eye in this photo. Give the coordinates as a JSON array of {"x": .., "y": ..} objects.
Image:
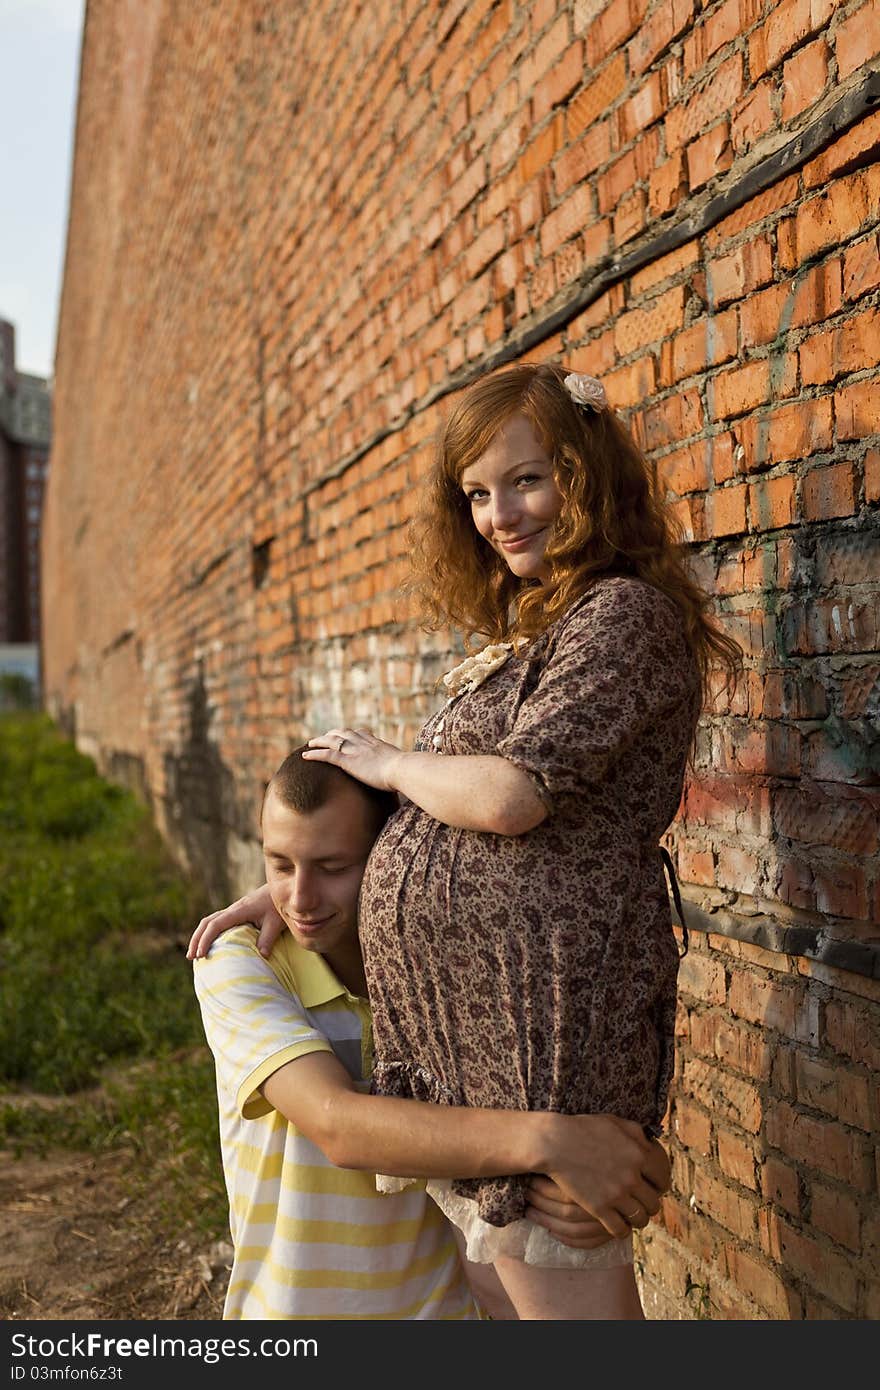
[
  {"x": 527, "y": 478},
  {"x": 477, "y": 495}
]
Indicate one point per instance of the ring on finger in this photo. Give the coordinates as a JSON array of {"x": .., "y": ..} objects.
[{"x": 342, "y": 743}]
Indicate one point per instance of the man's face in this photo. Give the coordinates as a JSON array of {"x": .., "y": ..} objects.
[{"x": 314, "y": 865}]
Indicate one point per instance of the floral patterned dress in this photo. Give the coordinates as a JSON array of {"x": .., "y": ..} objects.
[{"x": 538, "y": 971}]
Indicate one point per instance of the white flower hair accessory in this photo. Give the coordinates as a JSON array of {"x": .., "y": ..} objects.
[{"x": 586, "y": 391}]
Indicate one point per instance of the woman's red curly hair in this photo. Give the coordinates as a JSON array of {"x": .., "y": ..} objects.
[{"x": 613, "y": 521}]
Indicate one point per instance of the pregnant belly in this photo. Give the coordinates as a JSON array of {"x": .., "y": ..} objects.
[{"x": 481, "y": 971}]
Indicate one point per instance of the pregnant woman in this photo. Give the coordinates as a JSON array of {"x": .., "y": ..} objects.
[{"x": 514, "y": 914}]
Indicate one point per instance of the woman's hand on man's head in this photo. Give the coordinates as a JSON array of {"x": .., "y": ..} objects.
[{"x": 359, "y": 753}]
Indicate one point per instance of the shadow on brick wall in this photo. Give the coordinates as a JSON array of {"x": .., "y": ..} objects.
[{"x": 201, "y": 801}]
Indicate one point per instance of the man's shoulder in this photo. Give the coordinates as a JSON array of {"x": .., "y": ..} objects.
[{"x": 234, "y": 955}]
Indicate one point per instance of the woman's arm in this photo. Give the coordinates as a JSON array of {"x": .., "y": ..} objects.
[{"x": 472, "y": 792}]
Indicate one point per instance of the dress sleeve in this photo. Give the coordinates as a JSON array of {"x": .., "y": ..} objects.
[
  {"x": 253, "y": 1024},
  {"x": 619, "y": 662}
]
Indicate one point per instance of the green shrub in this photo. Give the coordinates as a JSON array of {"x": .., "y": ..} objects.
[
  {"x": 95, "y": 989},
  {"x": 92, "y": 915}
]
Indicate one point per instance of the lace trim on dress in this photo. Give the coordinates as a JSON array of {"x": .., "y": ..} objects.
[{"x": 521, "y": 1240}]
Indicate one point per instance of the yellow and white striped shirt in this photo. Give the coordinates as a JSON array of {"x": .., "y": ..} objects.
[{"x": 310, "y": 1240}]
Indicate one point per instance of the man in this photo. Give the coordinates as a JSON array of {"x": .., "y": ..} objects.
[{"x": 301, "y": 1137}]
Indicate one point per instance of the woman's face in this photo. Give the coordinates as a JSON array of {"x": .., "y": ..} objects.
[{"x": 514, "y": 498}]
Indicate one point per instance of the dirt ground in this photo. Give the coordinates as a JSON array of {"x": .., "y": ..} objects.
[{"x": 76, "y": 1245}]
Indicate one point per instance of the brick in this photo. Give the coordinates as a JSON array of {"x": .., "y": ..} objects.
[
  {"x": 709, "y": 155},
  {"x": 553, "y": 89},
  {"x": 855, "y": 410},
  {"x": 668, "y": 267},
  {"x": 705, "y": 104},
  {"x": 830, "y": 626},
  {"x": 693, "y": 1127},
  {"x": 567, "y": 220},
  {"x": 632, "y": 383},
  {"x": 703, "y": 1032},
  {"x": 844, "y": 1095},
  {"x": 667, "y": 184},
  {"x": 858, "y": 146},
  {"x": 752, "y": 117},
  {"x": 595, "y": 357},
  {"x": 686, "y": 470},
  {"x": 736, "y": 1159},
  {"x": 726, "y": 1206},
  {"x": 853, "y": 1031},
  {"x": 575, "y": 163},
  {"x": 641, "y": 110},
  {"x": 780, "y": 1183},
  {"x": 786, "y": 26},
  {"x": 612, "y": 27},
  {"x": 598, "y": 98},
  {"x": 630, "y": 216},
  {"x": 773, "y": 502},
  {"x": 726, "y": 510},
  {"x": 828, "y": 1272},
  {"x": 702, "y": 978},
  {"x": 728, "y": 1097},
  {"x": 538, "y": 154},
  {"x": 769, "y": 315},
  {"x": 792, "y": 432},
  {"x": 739, "y": 390},
  {"x": 755, "y": 215},
  {"x": 484, "y": 248},
  {"x": 712, "y": 33},
  {"x": 857, "y": 39},
  {"x": 656, "y": 33},
  {"x": 669, "y": 421},
  {"x": 778, "y": 1006},
  {"x": 729, "y": 801},
  {"x": 848, "y": 348},
  {"x": 709, "y": 342},
  {"x": 860, "y": 692},
  {"x": 833, "y": 217},
  {"x": 695, "y": 865},
  {"x": 804, "y": 79},
  {"x": 845, "y": 818},
  {"x": 739, "y": 273},
  {"x": 641, "y": 327},
  {"x": 822, "y": 1145},
  {"x": 841, "y": 755},
  {"x": 738, "y": 870},
  {"x": 830, "y": 492},
  {"x": 770, "y": 1288},
  {"x": 861, "y": 264},
  {"x": 759, "y": 748},
  {"x": 688, "y": 1228},
  {"x": 872, "y": 476},
  {"x": 786, "y": 695}
]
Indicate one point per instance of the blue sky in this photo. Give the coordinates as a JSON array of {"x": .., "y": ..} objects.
[{"x": 39, "y": 71}]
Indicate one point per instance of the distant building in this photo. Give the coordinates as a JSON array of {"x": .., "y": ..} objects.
[{"x": 25, "y": 435}]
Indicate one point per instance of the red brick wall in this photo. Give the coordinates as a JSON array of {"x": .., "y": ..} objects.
[{"x": 295, "y": 232}]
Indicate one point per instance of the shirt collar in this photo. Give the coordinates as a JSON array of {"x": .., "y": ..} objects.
[{"x": 315, "y": 981}]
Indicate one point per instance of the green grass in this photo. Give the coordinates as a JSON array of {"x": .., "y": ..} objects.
[{"x": 93, "y": 979}]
